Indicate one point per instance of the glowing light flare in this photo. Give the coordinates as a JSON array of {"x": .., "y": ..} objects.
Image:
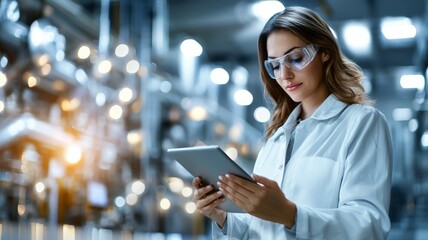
[
  {"x": 70, "y": 105},
  {"x": 261, "y": 114},
  {"x": 138, "y": 187},
  {"x": 3, "y": 61},
  {"x": 265, "y": 9},
  {"x": 197, "y": 113},
  {"x": 219, "y": 76},
  {"x": 175, "y": 184},
  {"x": 424, "y": 140},
  {"x": 243, "y": 97},
  {"x": 100, "y": 99},
  {"x": 43, "y": 59},
  {"x": 232, "y": 153},
  {"x": 21, "y": 209},
  {"x": 191, "y": 48},
  {"x": 134, "y": 137},
  {"x": 32, "y": 81},
  {"x": 39, "y": 187},
  {"x": 190, "y": 207},
  {"x": 104, "y": 67},
  {"x": 132, "y": 66},
  {"x": 3, "y": 79},
  {"x": 46, "y": 69},
  {"x": 115, "y": 112},
  {"x": 412, "y": 81},
  {"x": 186, "y": 192},
  {"x": 357, "y": 38},
  {"x": 84, "y": 52},
  {"x": 165, "y": 86},
  {"x": 73, "y": 154},
  {"x": 119, "y": 201},
  {"x": 397, "y": 28},
  {"x": 235, "y": 132},
  {"x": 1, "y": 106},
  {"x": 68, "y": 232},
  {"x": 165, "y": 204},
  {"x": 125, "y": 94},
  {"x": 132, "y": 199},
  {"x": 413, "y": 125},
  {"x": 121, "y": 50}
]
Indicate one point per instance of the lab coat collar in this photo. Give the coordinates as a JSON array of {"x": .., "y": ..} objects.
[{"x": 328, "y": 109}]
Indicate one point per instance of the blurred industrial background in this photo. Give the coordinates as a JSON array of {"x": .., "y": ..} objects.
[{"x": 93, "y": 92}]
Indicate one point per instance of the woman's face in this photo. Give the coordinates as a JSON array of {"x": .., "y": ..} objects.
[{"x": 306, "y": 85}]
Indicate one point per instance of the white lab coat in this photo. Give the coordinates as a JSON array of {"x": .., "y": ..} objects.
[{"x": 339, "y": 176}]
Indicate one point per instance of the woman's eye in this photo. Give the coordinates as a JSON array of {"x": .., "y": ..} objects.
[
  {"x": 275, "y": 66},
  {"x": 296, "y": 60}
]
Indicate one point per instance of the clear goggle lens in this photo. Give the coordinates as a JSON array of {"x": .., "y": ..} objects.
[{"x": 297, "y": 60}]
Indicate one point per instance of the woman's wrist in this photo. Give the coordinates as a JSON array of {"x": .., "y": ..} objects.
[{"x": 291, "y": 214}]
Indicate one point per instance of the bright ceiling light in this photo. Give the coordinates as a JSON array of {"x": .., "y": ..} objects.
[
  {"x": 115, "y": 112},
  {"x": 119, "y": 201},
  {"x": 104, "y": 66},
  {"x": 232, "y": 153},
  {"x": 412, "y": 81},
  {"x": 1, "y": 106},
  {"x": 397, "y": 28},
  {"x": 132, "y": 66},
  {"x": 243, "y": 97},
  {"x": 219, "y": 76},
  {"x": 40, "y": 187},
  {"x": 424, "y": 139},
  {"x": 165, "y": 204},
  {"x": 261, "y": 114},
  {"x": 125, "y": 94},
  {"x": 73, "y": 154},
  {"x": 84, "y": 52},
  {"x": 121, "y": 50},
  {"x": 138, "y": 187},
  {"x": 186, "y": 191},
  {"x": 197, "y": 113},
  {"x": 191, "y": 48},
  {"x": 131, "y": 199},
  {"x": 190, "y": 207},
  {"x": 357, "y": 38},
  {"x": 265, "y": 9},
  {"x": 3, "y": 79}
]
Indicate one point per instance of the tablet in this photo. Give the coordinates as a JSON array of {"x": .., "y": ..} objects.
[{"x": 209, "y": 162}]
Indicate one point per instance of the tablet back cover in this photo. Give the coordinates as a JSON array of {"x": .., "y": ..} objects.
[{"x": 209, "y": 162}]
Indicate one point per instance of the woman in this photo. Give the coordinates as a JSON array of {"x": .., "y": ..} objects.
[{"x": 325, "y": 169}]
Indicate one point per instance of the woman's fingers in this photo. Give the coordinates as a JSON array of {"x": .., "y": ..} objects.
[{"x": 209, "y": 200}]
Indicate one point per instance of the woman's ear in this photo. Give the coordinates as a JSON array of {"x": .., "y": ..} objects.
[{"x": 325, "y": 57}]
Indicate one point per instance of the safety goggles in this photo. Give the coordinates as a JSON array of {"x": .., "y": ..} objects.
[{"x": 297, "y": 60}]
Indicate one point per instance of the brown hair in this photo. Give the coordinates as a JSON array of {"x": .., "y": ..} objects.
[{"x": 342, "y": 76}]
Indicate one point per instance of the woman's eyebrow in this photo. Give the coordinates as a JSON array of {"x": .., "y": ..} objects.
[{"x": 289, "y": 50}]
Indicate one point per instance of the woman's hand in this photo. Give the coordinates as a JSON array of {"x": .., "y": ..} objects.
[
  {"x": 208, "y": 200},
  {"x": 263, "y": 199}
]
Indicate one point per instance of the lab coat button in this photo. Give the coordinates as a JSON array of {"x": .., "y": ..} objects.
[{"x": 280, "y": 166}]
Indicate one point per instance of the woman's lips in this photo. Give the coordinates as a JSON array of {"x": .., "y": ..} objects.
[{"x": 293, "y": 87}]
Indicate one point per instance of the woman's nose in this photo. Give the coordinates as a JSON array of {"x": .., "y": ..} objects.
[{"x": 285, "y": 72}]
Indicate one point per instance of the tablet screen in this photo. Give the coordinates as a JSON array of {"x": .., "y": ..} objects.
[{"x": 209, "y": 162}]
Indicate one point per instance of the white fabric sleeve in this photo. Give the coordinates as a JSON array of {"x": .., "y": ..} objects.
[{"x": 235, "y": 227}]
